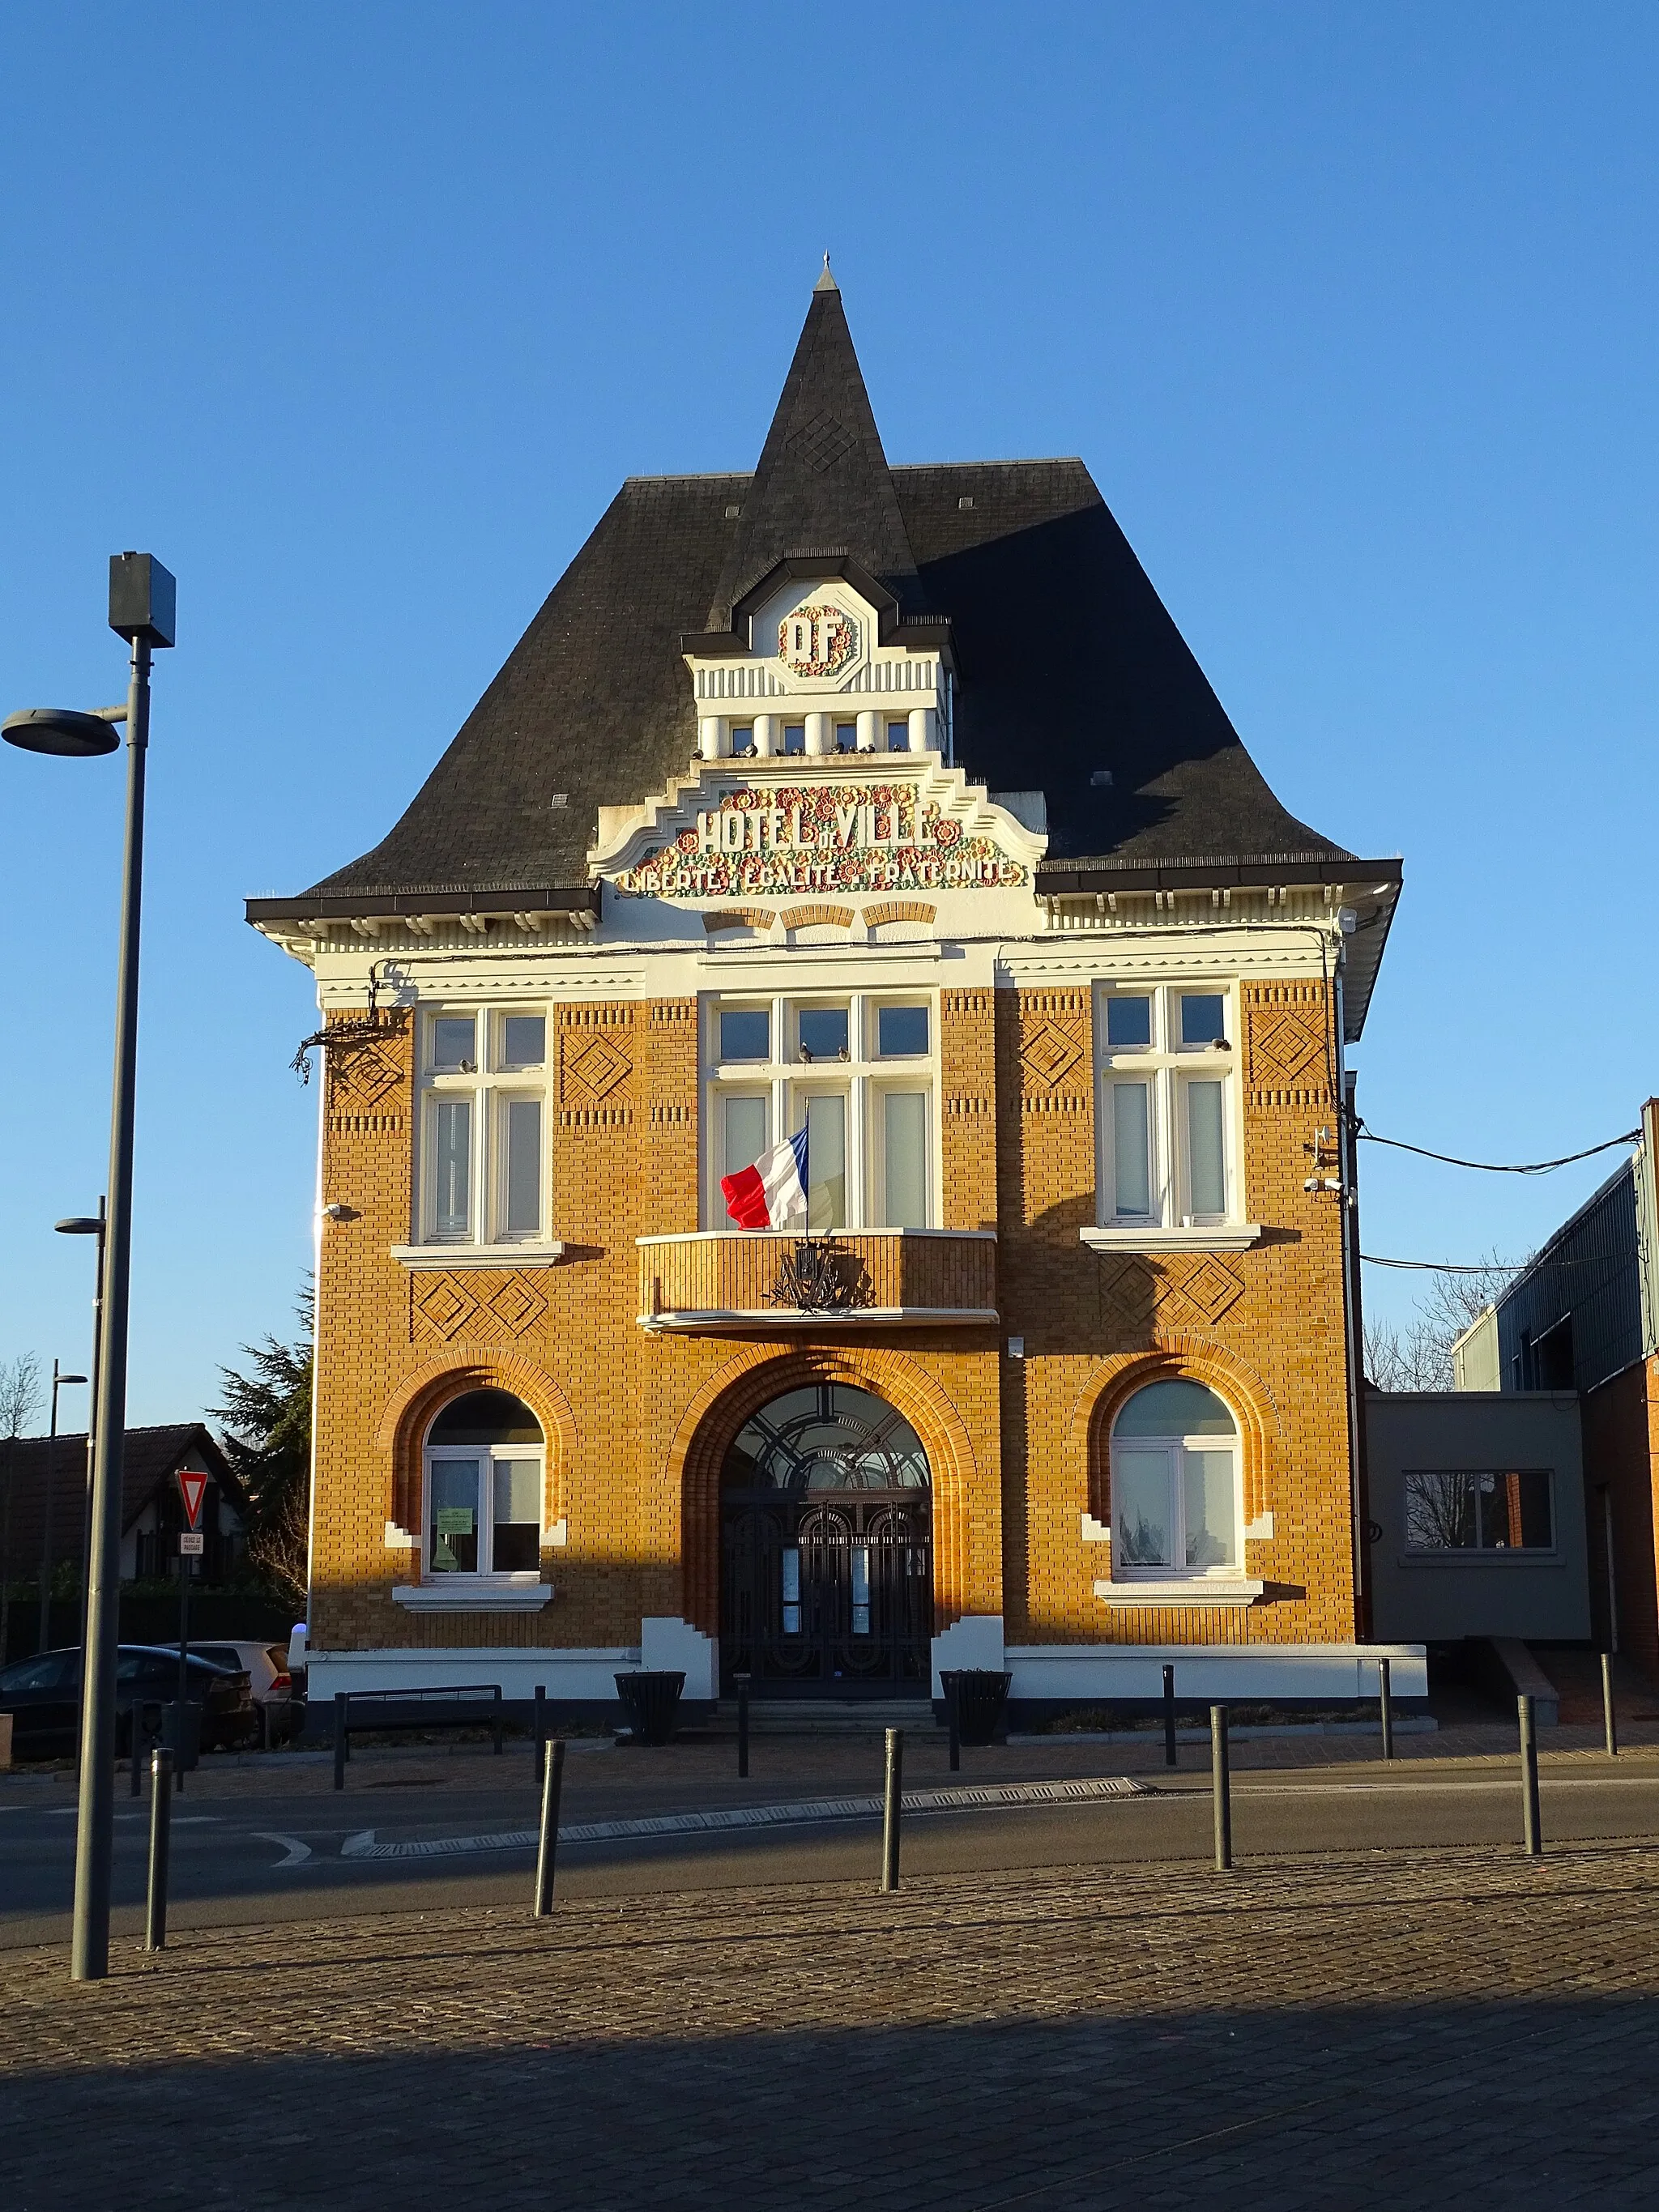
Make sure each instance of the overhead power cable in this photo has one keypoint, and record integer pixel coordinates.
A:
(1499, 1167)
(1481, 1266)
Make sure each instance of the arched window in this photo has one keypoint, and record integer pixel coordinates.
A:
(484, 1455)
(1175, 1461)
(826, 1435)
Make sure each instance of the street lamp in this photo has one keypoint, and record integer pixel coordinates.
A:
(58, 1383)
(142, 598)
(89, 1224)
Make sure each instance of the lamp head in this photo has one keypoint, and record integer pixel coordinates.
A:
(69, 1378)
(62, 730)
(80, 1225)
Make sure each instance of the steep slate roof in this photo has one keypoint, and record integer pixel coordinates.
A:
(1070, 665)
(150, 1459)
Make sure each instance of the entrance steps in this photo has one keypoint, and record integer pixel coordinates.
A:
(828, 1715)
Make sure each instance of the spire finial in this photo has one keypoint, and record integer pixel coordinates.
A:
(826, 283)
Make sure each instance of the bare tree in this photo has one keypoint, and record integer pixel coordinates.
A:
(19, 1408)
(1419, 1356)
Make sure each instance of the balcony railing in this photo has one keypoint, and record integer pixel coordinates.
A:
(733, 1281)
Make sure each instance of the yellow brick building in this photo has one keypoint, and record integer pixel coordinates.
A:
(883, 808)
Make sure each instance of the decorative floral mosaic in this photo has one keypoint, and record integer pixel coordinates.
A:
(818, 640)
(831, 837)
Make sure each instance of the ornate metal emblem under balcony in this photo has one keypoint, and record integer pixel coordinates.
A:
(820, 1276)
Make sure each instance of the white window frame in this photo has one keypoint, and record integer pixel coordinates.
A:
(485, 1457)
(786, 1080)
(1177, 1447)
(488, 1087)
(1166, 1067)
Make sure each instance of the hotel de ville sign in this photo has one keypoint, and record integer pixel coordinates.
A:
(822, 837)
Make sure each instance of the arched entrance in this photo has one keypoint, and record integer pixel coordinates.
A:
(826, 1548)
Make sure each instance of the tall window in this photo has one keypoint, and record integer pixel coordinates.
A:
(1175, 1483)
(1167, 1063)
(857, 1073)
(484, 1128)
(484, 1458)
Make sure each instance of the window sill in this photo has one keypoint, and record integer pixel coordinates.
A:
(1238, 1236)
(477, 1256)
(1504, 1560)
(473, 1593)
(1197, 1589)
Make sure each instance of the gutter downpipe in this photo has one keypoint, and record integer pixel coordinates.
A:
(1350, 1203)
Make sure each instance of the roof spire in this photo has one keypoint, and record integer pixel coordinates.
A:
(822, 484)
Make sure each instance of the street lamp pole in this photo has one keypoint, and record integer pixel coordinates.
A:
(58, 1383)
(94, 1835)
(142, 601)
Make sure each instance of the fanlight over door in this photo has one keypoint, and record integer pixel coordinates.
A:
(826, 1515)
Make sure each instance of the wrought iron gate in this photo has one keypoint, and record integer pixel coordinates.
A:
(830, 1593)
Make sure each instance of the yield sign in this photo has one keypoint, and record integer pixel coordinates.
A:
(192, 1488)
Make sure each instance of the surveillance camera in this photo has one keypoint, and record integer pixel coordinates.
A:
(338, 1213)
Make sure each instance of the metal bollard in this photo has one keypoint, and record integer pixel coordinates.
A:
(742, 1682)
(342, 1749)
(892, 1806)
(1168, 1715)
(547, 1850)
(1609, 1720)
(1385, 1694)
(541, 1734)
(1221, 1786)
(953, 1720)
(161, 1828)
(496, 1720)
(1531, 1827)
(138, 1762)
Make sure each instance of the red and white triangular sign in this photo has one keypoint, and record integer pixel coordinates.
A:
(192, 1488)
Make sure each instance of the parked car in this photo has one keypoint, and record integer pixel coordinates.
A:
(270, 1682)
(43, 1696)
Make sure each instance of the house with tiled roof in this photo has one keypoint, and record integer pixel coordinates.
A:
(833, 1110)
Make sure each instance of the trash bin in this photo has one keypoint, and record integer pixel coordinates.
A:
(981, 1695)
(650, 1704)
(181, 1733)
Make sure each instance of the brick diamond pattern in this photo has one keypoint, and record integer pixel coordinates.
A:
(444, 1307)
(820, 443)
(1210, 1287)
(518, 1305)
(1282, 1047)
(1125, 1301)
(1050, 1053)
(593, 1070)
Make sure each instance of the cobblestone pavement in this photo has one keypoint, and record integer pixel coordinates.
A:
(1447, 2028)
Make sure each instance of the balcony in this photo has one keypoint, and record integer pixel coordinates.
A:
(732, 1282)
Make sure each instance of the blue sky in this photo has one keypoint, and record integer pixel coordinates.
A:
(357, 318)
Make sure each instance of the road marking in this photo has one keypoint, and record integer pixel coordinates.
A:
(801, 1813)
(298, 1853)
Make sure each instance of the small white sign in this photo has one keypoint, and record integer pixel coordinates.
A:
(192, 1546)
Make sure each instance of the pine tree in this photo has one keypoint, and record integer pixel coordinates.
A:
(266, 1436)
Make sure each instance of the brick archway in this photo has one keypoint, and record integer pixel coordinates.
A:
(413, 1405)
(1191, 1358)
(752, 1380)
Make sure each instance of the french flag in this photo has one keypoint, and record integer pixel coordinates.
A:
(773, 1192)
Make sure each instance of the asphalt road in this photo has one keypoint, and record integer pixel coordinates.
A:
(307, 1854)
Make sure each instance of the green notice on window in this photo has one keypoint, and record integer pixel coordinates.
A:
(454, 1520)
